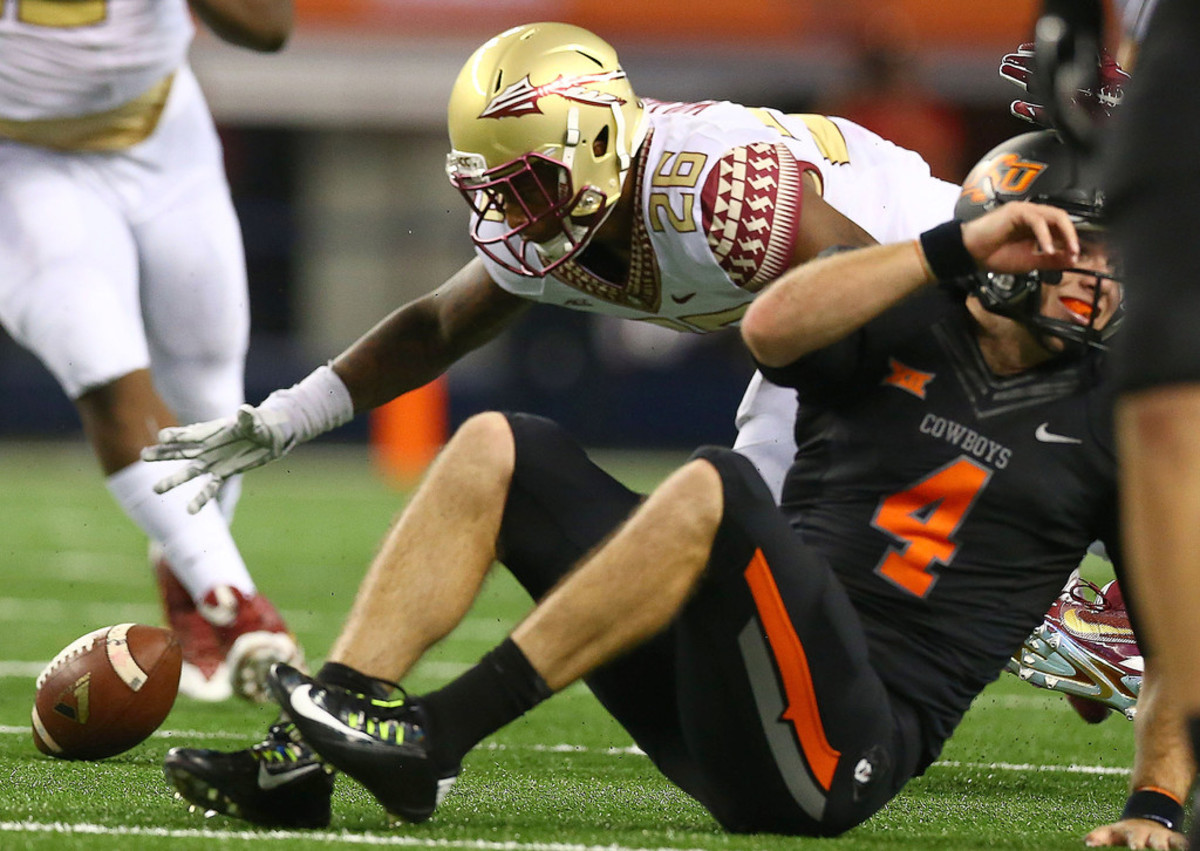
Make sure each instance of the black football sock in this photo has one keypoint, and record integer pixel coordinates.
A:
(343, 676)
(502, 687)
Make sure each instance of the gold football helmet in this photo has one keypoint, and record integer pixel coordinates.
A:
(543, 129)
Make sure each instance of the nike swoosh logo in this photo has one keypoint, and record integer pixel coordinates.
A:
(682, 299)
(1074, 623)
(1046, 436)
(268, 781)
(301, 703)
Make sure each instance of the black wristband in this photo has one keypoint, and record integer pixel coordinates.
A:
(946, 254)
(1154, 805)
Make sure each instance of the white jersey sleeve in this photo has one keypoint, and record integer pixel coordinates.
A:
(67, 59)
(885, 189)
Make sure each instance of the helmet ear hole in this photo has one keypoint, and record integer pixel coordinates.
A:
(600, 146)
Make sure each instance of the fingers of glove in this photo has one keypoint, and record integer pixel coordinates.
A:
(189, 442)
(1111, 72)
(194, 433)
(1018, 69)
(161, 452)
(210, 489)
(184, 474)
(246, 458)
(1031, 112)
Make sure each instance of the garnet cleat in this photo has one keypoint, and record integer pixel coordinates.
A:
(204, 675)
(254, 637)
(1086, 649)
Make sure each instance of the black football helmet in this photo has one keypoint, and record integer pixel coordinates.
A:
(1038, 167)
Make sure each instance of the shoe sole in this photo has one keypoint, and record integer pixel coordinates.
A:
(1058, 664)
(250, 659)
(200, 794)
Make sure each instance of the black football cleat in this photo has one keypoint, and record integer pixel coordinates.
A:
(383, 744)
(278, 782)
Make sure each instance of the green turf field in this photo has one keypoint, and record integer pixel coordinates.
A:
(1022, 772)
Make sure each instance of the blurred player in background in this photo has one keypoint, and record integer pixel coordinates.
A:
(1153, 177)
(791, 668)
(1086, 647)
(123, 272)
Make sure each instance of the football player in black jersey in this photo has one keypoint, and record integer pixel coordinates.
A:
(1151, 168)
(790, 667)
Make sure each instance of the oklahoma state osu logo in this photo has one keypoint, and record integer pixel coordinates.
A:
(521, 98)
(1007, 174)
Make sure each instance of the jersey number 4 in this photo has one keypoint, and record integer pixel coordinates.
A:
(924, 518)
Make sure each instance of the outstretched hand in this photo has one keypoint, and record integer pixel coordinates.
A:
(1018, 67)
(1136, 833)
(221, 449)
(1020, 237)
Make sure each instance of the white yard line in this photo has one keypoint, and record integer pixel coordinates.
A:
(368, 839)
(23, 610)
(632, 750)
(441, 670)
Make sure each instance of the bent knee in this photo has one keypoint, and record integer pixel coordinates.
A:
(698, 486)
(485, 440)
(488, 426)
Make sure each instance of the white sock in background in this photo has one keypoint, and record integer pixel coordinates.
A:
(198, 546)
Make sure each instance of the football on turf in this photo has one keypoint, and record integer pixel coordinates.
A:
(106, 692)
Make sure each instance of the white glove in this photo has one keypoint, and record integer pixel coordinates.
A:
(255, 435)
(221, 448)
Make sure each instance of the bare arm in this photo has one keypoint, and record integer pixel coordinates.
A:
(1163, 762)
(262, 25)
(419, 341)
(820, 302)
(822, 227)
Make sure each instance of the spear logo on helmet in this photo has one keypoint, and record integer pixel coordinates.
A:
(522, 97)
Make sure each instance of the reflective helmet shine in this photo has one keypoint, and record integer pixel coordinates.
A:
(1038, 167)
(544, 127)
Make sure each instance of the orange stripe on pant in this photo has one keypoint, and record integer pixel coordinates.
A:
(789, 655)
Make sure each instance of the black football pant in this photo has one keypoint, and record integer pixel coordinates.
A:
(759, 700)
(1152, 178)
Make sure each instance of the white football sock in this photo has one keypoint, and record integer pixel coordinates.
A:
(199, 547)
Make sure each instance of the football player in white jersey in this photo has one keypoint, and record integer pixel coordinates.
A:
(584, 195)
(124, 273)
